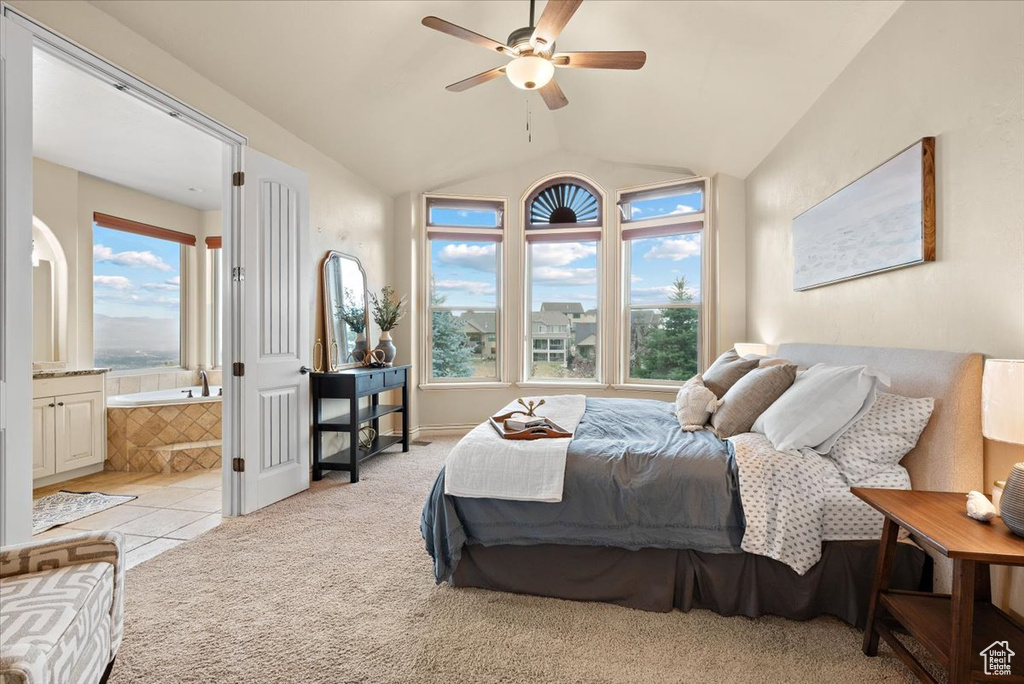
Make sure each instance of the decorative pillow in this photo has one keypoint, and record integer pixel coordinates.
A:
(694, 405)
(750, 397)
(881, 439)
(726, 370)
(822, 404)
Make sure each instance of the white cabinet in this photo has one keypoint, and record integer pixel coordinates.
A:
(68, 430)
(44, 435)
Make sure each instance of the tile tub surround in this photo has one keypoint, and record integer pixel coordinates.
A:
(164, 439)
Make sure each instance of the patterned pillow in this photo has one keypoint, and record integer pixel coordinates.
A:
(725, 371)
(882, 437)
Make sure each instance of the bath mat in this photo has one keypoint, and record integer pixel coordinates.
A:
(64, 507)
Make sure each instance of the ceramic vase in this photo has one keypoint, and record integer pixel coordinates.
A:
(359, 350)
(388, 347)
(1011, 503)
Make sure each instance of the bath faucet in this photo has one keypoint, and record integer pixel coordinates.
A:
(206, 383)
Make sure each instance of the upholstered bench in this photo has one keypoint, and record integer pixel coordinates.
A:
(61, 607)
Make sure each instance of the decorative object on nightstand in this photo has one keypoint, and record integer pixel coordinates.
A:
(959, 628)
(1002, 419)
(388, 310)
(318, 356)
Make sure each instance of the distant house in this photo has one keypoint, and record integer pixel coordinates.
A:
(550, 331)
(573, 310)
(589, 316)
(585, 337)
(480, 329)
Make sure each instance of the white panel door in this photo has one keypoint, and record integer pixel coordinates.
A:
(44, 449)
(15, 281)
(275, 391)
(79, 433)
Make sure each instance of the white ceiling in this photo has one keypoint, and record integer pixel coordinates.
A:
(364, 81)
(81, 122)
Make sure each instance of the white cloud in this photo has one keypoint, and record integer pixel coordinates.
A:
(635, 211)
(683, 209)
(676, 249)
(560, 253)
(171, 284)
(477, 257)
(113, 282)
(635, 279)
(474, 287)
(131, 259)
(550, 275)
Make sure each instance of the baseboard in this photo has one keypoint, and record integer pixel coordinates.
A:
(445, 430)
(47, 480)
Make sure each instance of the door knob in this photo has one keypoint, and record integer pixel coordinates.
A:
(305, 369)
(60, 403)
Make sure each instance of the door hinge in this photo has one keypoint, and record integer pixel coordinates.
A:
(238, 179)
(238, 465)
(238, 369)
(238, 274)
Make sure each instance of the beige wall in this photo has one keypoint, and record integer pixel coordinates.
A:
(463, 407)
(952, 70)
(347, 213)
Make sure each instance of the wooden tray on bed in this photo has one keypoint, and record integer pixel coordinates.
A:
(498, 423)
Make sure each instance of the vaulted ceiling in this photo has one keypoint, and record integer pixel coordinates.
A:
(364, 81)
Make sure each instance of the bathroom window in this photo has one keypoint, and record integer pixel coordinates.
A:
(138, 304)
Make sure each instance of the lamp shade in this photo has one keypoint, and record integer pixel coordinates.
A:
(1002, 401)
(754, 348)
(529, 72)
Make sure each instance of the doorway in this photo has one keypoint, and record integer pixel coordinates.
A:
(133, 220)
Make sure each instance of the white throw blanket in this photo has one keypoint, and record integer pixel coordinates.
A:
(485, 465)
(783, 497)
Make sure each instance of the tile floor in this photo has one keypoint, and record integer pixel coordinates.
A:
(170, 509)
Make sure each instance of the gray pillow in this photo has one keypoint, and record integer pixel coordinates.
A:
(726, 370)
(750, 397)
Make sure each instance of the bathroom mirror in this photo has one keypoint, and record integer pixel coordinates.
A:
(346, 314)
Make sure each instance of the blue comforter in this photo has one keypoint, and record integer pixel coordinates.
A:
(633, 479)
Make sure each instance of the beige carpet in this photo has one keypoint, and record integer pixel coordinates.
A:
(333, 585)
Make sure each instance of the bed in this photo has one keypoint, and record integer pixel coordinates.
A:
(605, 546)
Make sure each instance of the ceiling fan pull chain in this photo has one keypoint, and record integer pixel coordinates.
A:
(529, 133)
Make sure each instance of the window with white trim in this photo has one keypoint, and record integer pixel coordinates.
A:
(463, 313)
(663, 241)
(563, 257)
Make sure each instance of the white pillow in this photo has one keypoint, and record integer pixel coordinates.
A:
(822, 403)
(882, 437)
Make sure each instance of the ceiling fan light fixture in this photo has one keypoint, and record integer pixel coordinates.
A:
(529, 72)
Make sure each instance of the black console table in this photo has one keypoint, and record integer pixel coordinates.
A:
(353, 384)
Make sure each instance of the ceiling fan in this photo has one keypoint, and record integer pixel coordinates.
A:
(532, 50)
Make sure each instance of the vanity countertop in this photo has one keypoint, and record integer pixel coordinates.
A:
(66, 373)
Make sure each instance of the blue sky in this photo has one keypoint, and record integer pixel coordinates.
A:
(135, 276)
(464, 271)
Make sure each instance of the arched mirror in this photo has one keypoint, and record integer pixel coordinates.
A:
(346, 314)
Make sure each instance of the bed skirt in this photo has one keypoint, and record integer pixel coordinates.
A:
(662, 579)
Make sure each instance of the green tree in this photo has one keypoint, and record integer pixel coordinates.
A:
(451, 351)
(665, 348)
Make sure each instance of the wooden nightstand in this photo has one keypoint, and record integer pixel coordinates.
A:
(955, 629)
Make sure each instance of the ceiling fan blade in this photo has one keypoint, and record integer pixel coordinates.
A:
(600, 60)
(465, 34)
(553, 96)
(553, 19)
(483, 77)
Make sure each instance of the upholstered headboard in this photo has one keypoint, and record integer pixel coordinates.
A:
(948, 457)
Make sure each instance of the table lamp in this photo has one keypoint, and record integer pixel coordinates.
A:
(1002, 419)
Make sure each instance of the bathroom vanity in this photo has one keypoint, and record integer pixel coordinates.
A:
(68, 424)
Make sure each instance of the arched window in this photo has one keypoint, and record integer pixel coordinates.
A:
(564, 216)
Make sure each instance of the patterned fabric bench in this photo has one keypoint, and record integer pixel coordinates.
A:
(61, 609)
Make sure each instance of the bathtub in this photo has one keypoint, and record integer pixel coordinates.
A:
(165, 431)
(179, 395)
